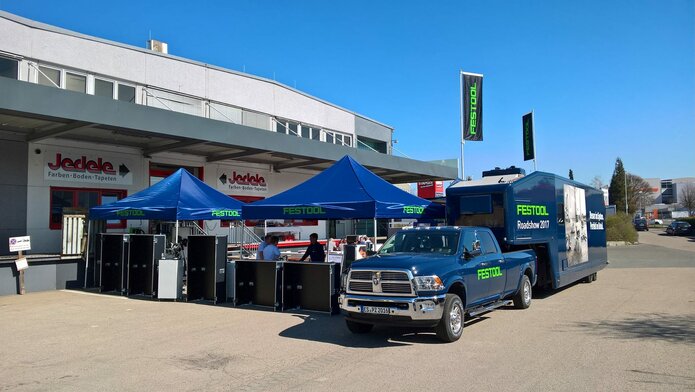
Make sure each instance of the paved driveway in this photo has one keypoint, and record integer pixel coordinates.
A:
(632, 329)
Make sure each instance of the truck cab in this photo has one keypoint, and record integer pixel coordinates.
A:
(432, 278)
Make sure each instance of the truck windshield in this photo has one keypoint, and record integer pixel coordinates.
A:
(445, 243)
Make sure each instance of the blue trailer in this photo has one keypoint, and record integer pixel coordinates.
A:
(562, 220)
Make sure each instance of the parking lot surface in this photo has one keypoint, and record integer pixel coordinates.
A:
(632, 329)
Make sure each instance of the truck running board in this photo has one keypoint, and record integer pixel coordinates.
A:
(482, 309)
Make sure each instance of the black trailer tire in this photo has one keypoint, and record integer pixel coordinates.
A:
(590, 278)
(356, 327)
(522, 299)
(450, 327)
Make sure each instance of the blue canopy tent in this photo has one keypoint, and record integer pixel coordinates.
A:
(180, 196)
(346, 190)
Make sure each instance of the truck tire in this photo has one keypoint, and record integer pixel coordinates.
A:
(522, 299)
(356, 327)
(450, 327)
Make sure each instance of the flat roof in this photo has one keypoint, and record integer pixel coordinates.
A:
(31, 112)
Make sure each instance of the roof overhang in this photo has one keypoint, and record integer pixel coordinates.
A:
(32, 113)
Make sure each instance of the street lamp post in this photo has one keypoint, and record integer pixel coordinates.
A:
(625, 178)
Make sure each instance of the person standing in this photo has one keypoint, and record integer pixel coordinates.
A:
(271, 251)
(261, 246)
(314, 251)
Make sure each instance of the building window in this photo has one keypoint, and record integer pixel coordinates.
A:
(127, 94)
(66, 200)
(49, 76)
(364, 143)
(103, 88)
(75, 82)
(9, 68)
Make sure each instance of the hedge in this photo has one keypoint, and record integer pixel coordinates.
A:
(619, 228)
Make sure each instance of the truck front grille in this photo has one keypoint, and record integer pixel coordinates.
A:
(395, 283)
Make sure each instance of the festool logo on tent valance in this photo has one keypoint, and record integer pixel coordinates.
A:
(226, 213)
(128, 213)
(303, 211)
(531, 209)
(413, 209)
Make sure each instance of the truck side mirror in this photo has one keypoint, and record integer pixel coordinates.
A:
(472, 253)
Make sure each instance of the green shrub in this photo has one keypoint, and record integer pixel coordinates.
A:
(619, 228)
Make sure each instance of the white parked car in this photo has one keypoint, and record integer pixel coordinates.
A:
(656, 222)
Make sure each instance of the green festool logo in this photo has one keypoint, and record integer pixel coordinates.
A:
(303, 211)
(127, 213)
(413, 209)
(473, 100)
(226, 213)
(487, 273)
(531, 209)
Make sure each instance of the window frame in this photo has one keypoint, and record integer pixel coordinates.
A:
(64, 77)
(75, 195)
(17, 60)
(40, 72)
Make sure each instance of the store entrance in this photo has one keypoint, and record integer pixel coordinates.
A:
(160, 171)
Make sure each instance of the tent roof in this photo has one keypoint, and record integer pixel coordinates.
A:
(181, 196)
(346, 190)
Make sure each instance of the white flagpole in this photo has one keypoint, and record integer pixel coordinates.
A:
(463, 142)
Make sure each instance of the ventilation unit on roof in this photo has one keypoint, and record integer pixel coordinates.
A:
(500, 172)
(157, 46)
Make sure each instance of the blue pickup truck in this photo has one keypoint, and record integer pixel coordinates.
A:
(433, 277)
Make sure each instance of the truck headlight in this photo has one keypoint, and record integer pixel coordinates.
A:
(428, 283)
(343, 281)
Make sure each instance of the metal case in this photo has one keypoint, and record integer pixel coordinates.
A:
(144, 250)
(206, 268)
(113, 258)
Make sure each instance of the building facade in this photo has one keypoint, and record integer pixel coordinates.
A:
(86, 121)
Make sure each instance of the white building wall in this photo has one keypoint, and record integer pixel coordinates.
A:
(152, 69)
(47, 240)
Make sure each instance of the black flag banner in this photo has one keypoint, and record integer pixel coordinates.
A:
(472, 102)
(527, 124)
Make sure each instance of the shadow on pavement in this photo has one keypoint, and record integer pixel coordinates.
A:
(332, 329)
(659, 326)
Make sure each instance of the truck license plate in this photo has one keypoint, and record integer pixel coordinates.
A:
(375, 310)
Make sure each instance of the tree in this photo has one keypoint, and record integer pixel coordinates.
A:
(639, 193)
(688, 198)
(616, 190)
(597, 182)
(571, 175)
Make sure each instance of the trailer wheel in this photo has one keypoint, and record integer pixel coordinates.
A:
(590, 278)
(356, 327)
(450, 327)
(522, 299)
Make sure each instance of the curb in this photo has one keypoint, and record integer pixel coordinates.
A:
(620, 243)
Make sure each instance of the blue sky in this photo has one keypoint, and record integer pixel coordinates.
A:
(605, 78)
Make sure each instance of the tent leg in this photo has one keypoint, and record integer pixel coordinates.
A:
(176, 233)
(374, 234)
(86, 262)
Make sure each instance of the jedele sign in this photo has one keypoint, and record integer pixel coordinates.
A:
(83, 169)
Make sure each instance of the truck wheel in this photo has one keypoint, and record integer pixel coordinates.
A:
(450, 327)
(356, 327)
(522, 299)
(590, 278)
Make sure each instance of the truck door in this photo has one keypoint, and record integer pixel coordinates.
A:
(496, 271)
(476, 288)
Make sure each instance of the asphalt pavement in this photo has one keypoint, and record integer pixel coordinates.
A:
(631, 330)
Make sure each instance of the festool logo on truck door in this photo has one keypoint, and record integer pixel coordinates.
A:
(487, 273)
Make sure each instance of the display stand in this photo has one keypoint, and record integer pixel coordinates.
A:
(206, 270)
(259, 283)
(113, 258)
(143, 251)
(170, 278)
(311, 286)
